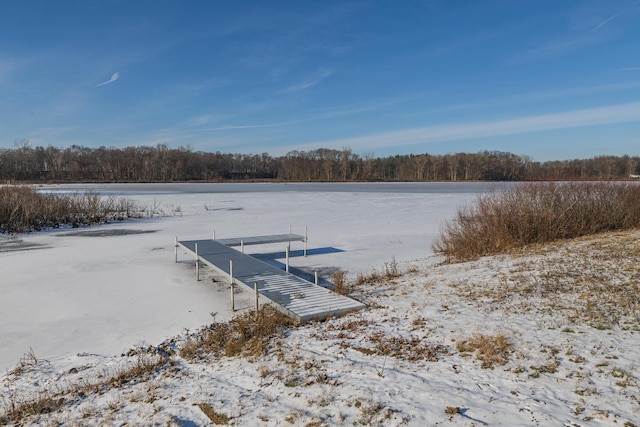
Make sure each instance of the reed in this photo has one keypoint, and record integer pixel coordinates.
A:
(538, 213)
(24, 209)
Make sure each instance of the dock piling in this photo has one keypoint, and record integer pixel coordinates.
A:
(255, 288)
(287, 259)
(233, 298)
(197, 265)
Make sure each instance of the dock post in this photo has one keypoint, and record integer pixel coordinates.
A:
(175, 257)
(197, 265)
(214, 234)
(255, 287)
(287, 256)
(305, 241)
(233, 299)
(241, 246)
(316, 275)
(289, 244)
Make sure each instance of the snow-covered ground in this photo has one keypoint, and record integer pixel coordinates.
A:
(81, 301)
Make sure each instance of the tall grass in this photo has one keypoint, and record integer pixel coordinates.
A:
(538, 213)
(24, 209)
(244, 334)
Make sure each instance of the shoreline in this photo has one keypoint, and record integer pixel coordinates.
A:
(558, 369)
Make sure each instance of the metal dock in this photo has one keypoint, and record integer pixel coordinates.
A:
(262, 240)
(296, 297)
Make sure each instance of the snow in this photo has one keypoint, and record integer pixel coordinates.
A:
(104, 294)
(81, 302)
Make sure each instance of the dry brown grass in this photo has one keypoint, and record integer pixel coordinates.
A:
(245, 334)
(538, 213)
(593, 280)
(340, 282)
(411, 349)
(377, 342)
(27, 362)
(143, 366)
(368, 279)
(489, 349)
(452, 410)
(213, 415)
(390, 271)
(41, 403)
(19, 409)
(373, 413)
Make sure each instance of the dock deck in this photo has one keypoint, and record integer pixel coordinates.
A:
(296, 297)
(262, 240)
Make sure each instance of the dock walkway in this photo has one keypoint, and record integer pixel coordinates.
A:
(296, 297)
(262, 240)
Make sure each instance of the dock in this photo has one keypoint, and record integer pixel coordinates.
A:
(298, 298)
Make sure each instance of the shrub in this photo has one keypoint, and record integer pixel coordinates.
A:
(23, 209)
(538, 213)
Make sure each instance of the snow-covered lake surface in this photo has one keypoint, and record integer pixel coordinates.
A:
(67, 293)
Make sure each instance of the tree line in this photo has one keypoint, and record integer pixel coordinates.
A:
(163, 164)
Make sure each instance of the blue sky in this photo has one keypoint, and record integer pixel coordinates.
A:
(552, 79)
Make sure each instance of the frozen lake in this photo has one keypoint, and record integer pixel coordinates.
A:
(332, 187)
(102, 293)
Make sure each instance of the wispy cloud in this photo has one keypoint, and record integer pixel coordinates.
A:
(555, 48)
(629, 69)
(606, 21)
(354, 108)
(623, 11)
(571, 119)
(113, 78)
(316, 115)
(204, 119)
(313, 81)
(589, 32)
(569, 92)
(261, 126)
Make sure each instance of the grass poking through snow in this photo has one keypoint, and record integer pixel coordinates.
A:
(245, 334)
(489, 349)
